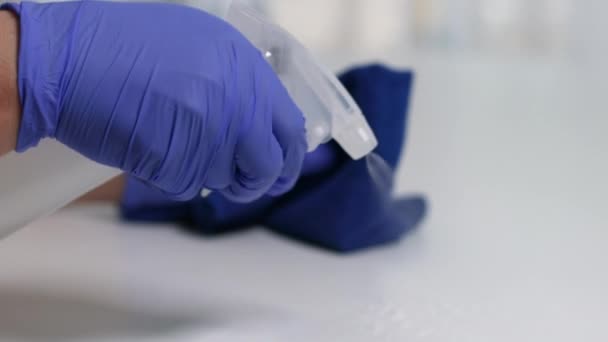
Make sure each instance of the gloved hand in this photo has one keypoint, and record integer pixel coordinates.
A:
(336, 204)
(169, 94)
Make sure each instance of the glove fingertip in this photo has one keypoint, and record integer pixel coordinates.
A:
(257, 172)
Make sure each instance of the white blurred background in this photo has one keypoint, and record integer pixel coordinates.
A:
(393, 30)
(508, 141)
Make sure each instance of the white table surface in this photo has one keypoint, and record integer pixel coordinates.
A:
(513, 157)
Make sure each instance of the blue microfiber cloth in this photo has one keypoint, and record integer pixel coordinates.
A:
(335, 205)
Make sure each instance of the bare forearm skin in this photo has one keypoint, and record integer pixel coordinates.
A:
(10, 108)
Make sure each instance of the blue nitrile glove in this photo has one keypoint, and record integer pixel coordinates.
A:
(169, 94)
(335, 204)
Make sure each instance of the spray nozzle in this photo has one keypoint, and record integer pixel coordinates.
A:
(329, 109)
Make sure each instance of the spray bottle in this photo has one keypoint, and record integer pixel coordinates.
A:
(51, 175)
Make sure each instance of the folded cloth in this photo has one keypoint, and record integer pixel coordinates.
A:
(336, 204)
